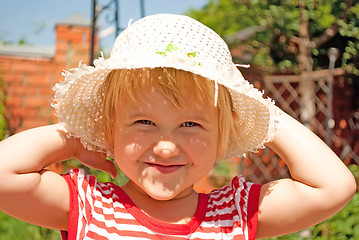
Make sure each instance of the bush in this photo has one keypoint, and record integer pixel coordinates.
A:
(11, 228)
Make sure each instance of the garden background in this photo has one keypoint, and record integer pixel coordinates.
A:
(303, 53)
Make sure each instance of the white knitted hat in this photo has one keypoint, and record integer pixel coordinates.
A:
(162, 40)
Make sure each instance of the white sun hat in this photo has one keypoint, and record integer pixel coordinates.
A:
(163, 40)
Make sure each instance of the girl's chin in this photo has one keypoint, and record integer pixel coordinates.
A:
(163, 193)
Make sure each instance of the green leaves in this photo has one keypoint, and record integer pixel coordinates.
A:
(11, 228)
(192, 54)
(172, 48)
(162, 53)
(324, 16)
(273, 47)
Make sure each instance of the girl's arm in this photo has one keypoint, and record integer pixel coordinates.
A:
(320, 186)
(28, 191)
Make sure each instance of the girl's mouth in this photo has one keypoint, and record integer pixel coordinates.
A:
(165, 169)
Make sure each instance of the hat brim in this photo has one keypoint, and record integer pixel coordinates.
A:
(79, 100)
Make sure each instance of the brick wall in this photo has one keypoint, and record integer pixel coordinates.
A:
(28, 80)
(28, 84)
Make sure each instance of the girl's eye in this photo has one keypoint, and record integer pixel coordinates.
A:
(190, 124)
(145, 122)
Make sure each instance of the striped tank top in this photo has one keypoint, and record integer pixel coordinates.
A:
(103, 211)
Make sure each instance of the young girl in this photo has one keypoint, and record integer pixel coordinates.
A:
(166, 105)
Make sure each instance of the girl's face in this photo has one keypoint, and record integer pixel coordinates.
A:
(164, 150)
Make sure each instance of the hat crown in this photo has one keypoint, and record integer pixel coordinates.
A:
(193, 46)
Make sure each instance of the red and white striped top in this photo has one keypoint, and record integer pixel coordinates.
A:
(103, 211)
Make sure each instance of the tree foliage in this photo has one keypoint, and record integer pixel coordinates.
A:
(269, 31)
(11, 228)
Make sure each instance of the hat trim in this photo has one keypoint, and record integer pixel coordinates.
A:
(242, 87)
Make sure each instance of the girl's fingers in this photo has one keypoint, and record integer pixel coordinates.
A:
(97, 160)
(110, 168)
(104, 165)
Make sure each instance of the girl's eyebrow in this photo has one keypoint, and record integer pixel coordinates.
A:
(135, 114)
(196, 116)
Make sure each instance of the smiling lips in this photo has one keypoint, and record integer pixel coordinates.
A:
(165, 169)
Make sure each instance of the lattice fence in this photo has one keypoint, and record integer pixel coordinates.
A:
(266, 165)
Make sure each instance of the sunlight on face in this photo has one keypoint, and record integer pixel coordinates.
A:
(132, 148)
(164, 149)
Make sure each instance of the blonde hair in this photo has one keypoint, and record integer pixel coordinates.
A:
(172, 84)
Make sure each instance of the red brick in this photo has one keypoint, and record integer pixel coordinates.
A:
(70, 37)
(58, 77)
(22, 90)
(43, 67)
(24, 112)
(38, 80)
(12, 101)
(33, 122)
(29, 82)
(50, 70)
(61, 32)
(37, 102)
(5, 65)
(61, 27)
(25, 67)
(61, 46)
(59, 68)
(13, 79)
(75, 39)
(15, 124)
(60, 58)
(46, 91)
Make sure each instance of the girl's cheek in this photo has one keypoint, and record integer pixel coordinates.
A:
(198, 144)
(135, 143)
(132, 148)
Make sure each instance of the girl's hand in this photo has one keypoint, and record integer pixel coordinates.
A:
(95, 160)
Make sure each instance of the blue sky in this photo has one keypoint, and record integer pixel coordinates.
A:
(34, 20)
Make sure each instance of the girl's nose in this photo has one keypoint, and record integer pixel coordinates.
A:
(166, 149)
